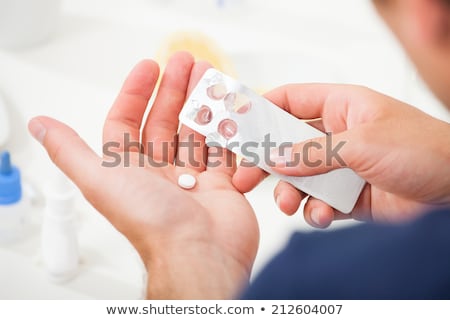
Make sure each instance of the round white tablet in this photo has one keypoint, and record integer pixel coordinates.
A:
(187, 181)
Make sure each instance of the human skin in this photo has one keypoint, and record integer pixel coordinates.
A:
(195, 247)
(402, 152)
(196, 244)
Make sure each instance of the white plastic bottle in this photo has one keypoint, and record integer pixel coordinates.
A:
(4, 123)
(60, 252)
(13, 208)
(12, 205)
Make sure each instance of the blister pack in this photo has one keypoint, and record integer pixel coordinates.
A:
(232, 116)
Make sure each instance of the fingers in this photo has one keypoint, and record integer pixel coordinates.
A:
(248, 176)
(198, 70)
(305, 101)
(310, 101)
(221, 160)
(318, 214)
(319, 155)
(124, 120)
(69, 152)
(339, 106)
(160, 130)
(192, 151)
(288, 198)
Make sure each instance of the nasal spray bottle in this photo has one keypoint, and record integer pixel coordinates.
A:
(12, 205)
(59, 235)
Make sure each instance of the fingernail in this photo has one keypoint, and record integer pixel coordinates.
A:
(37, 130)
(315, 216)
(281, 156)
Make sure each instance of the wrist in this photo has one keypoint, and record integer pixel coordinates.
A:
(196, 270)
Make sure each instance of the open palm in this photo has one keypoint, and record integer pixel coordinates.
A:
(134, 185)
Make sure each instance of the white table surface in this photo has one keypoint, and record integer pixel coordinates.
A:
(75, 75)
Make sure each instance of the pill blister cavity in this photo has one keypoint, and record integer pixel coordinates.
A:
(227, 128)
(204, 115)
(217, 91)
(214, 79)
(237, 102)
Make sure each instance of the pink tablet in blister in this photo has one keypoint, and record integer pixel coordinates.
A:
(231, 115)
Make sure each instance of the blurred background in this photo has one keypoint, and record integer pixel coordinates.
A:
(67, 59)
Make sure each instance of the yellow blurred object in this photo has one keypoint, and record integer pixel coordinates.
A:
(200, 46)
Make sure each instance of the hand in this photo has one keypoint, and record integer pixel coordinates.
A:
(196, 244)
(401, 152)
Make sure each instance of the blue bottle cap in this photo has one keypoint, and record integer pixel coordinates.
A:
(10, 185)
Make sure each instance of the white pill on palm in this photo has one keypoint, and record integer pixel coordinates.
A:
(187, 181)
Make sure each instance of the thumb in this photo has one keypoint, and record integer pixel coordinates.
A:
(68, 151)
(314, 156)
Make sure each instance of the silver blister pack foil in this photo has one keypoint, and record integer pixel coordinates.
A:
(231, 115)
